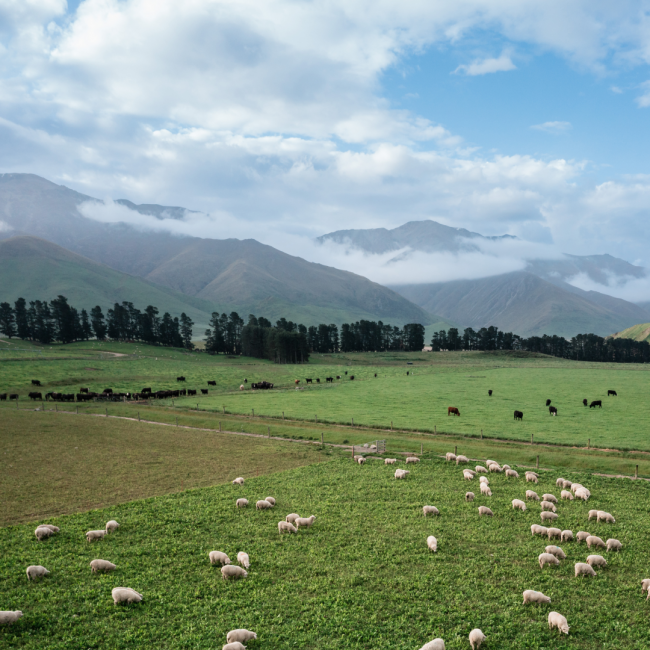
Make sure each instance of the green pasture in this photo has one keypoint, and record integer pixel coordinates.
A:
(360, 578)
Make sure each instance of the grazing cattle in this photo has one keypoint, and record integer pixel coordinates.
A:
(108, 390)
(3, 397)
(245, 380)
(297, 381)
(552, 410)
(519, 415)
(490, 392)
(351, 377)
(346, 372)
(338, 376)
(584, 401)
(407, 373)
(317, 380)
(596, 403)
(309, 380)
(181, 378)
(452, 410)
(36, 382)
(191, 391)
(609, 392)
(375, 374)
(84, 397)
(204, 391)
(83, 390)
(35, 396)
(182, 392)
(329, 380)
(548, 402)
(265, 385)
(13, 396)
(146, 390)
(212, 383)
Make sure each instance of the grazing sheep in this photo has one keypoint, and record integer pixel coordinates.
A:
(547, 505)
(593, 514)
(401, 473)
(605, 516)
(559, 482)
(238, 481)
(484, 479)
(494, 467)
(436, 644)
(614, 545)
(557, 551)
(583, 494)
(102, 565)
(566, 484)
(469, 496)
(432, 543)
(596, 560)
(576, 486)
(286, 527)
(518, 504)
(412, 459)
(263, 505)
(554, 532)
(645, 583)
(242, 503)
(271, 500)
(548, 516)
(484, 510)
(10, 617)
(111, 526)
(583, 569)
(558, 621)
(467, 475)
(234, 646)
(430, 510)
(36, 571)
(54, 529)
(489, 461)
(218, 557)
(476, 637)
(292, 517)
(461, 459)
(531, 478)
(125, 595)
(582, 536)
(547, 558)
(532, 495)
(512, 472)
(390, 461)
(240, 635)
(361, 460)
(567, 536)
(485, 490)
(535, 529)
(243, 559)
(549, 497)
(504, 467)
(233, 571)
(480, 469)
(592, 540)
(304, 522)
(43, 532)
(95, 534)
(531, 596)
(565, 494)
(450, 456)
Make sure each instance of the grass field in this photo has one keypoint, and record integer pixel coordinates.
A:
(361, 577)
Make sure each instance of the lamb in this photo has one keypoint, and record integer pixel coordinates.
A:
(548, 516)
(547, 558)
(614, 545)
(485, 489)
(390, 461)
(401, 473)
(583, 569)
(95, 534)
(559, 482)
(430, 510)
(242, 503)
(576, 486)
(547, 505)
(489, 461)
(243, 559)
(511, 472)
(7, 618)
(54, 529)
(240, 635)
(484, 479)
(286, 527)
(292, 517)
(468, 475)
(102, 565)
(238, 481)
(263, 505)
(469, 496)
(565, 494)
(361, 460)
(538, 530)
(566, 484)
(596, 560)
(36, 571)
(476, 637)
(518, 504)
(592, 540)
(305, 522)
(582, 536)
(494, 467)
(432, 543)
(583, 494)
(461, 459)
(217, 557)
(232, 571)
(554, 532)
(236, 645)
(436, 644)
(567, 536)
(484, 510)
(531, 596)
(645, 583)
(111, 526)
(558, 621)
(549, 497)
(43, 532)
(412, 459)
(531, 477)
(505, 467)
(605, 516)
(450, 456)
(532, 495)
(480, 469)
(271, 500)
(592, 514)
(557, 551)
(125, 595)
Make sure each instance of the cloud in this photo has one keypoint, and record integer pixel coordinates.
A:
(487, 66)
(555, 128)
(643, 101)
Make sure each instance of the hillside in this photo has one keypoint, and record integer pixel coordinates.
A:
(639, 332)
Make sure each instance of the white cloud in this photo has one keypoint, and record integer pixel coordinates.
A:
(487, 66)
(555, 128)
(643, 100)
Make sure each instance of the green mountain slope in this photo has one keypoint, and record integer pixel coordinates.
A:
(639, 332)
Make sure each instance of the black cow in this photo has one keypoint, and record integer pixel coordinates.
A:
(182, 392)
(318, 380)
(611, 392)
(190, 391)
(351, 377)
(245, 380)
(596, 403)
(329, 380)
(83, 390)
(548, 402)
(490, 392)
(375, 374)
(346, 372)
(339, 376)
(108, 390)
(265, 385)
(36, 382)
(181, 378)
(552, 410)
(146, 390)
(13, 396)
(407, 373)
(204, 391)
(212, 383)
(519, 415)
(35, 396)
(308, 380)
(584, 401)
(3, 397)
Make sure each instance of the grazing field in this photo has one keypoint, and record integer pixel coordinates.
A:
(360, 578)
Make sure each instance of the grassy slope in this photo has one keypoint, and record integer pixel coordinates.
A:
(361, 577)
(639, 332)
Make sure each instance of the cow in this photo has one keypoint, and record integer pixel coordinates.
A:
(181, 378)
(611, 392)
(490, 392)
(36, 382)
(375, 374)
(309, 381)
(338, 376)
(519, 415)
(191, 391)
(204, 391)
(346, 372)
(452, 410)
(83, 390)
(212, 383)
(36, 396)
(596, 403)
(407, 373)
(552, 410)
(108, 390)
(182, 392)
(584, 401)
(146, 390)
(351, 377)
(318, 380)
(83, 397)
(245, 380)
(13, 396)
(297, 381)
(329, 380)
(548, 402)
(3, 397)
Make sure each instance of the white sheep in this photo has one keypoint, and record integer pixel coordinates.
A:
(36, 571)
(242, 503)
(361, 460)
(480, 469)
(532, 495)
(476, 637)
(547, 558)
(485, 489)
(505, 467)
(566, 484)
(536, 529)
(217, 557)
(549, 497)
(548, 516)
(518, 504)
(531, 477)
(238, 481)
(512, 473)
(645, 583)
(484, 510)
(430, 510)
(467, 475)
(390, 461)
(401, 473)
(292, 517)
(240, 635)
(557, 551)
(489, 461)
(593, 514)
(10, 617)
(43, 532)
(436, 644)
(461, 459)
(554, 532)
(582, 536)
(614, 545)
(567, 536)
(565, 494)
(583, 494)
(558, 621)
(263, 505)
(559, 482)
(494, 467)
(593, 540)
(95, 534)
(596, 560)
(125, 595)
(243, 559)
(432, 543)
(531, 596)
(111, 526)
(271, 500)
(286, 527)
(236, 645)
(305, 522)
(484, 479)
(412, 459)
(605, 516)
(583, 569)
(450, 456)
(102, 565)
(54, 529)
(233, 571)
(547, 505)
(576, 486)
(469, 496)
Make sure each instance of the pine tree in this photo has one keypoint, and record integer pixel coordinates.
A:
(7, 320)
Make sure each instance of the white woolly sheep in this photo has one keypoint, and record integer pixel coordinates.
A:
(304, 522)
(549, 497)
(593, 514)
(547, 558)
(512, 473)
(536, 529)
(614, 545)
(489, 461)
(42, 532)
(271, 500)
(469, 496)
(102, 565)
(436, 644)
(547, 505)
(548, 516)
(583, 494)
(576, 486)
(412, 459)
(484, 510)
(494, 467)
(476, 637)
(532, 495)
(558, 621)
(236, 645)
(557, 551)
(605, 516)
(485, 489)
(54, 529)
(531, 596)
(243, 559)
(432, 543)
(583, 569)
(262, 504)
(240, 635)
(461, 459)
(292, 517)
(7, 618)
(401, 473)
(567, 536)
(36, 571)
(125, 595)
(484, 479)
(645, 583)
(554, 532)
(566, 484)
(596, 560)
(468, 476)
(233, 571)
(582, 536)
(559, 482)
(565, 494)
(531, 478)
(238, 481)
(95, 534)
(505, 467)
(390, 461)
(286, 527)
(111, 526)
(217, 557)
(518, 504)
(242, 503)
(450, 456)
(480, 469)
(361, 460)
(430, 510)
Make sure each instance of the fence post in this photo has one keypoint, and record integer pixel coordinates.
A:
(107, 412)
(352, 421)
(224, 408)
(352, 451)
(391, 425)
(197, 406)
(283, 415)
(455, 450)
(481, 434)
(138, 416)
(253, 411)
(176, 421)
(321, 437)
(219, 426)
(588, 443)
(636, 472)
(269, 431)
(315, 417)
(435, 429)
(531, 438)
(538, 461)
(420, 448)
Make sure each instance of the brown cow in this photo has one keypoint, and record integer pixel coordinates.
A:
(452, 410)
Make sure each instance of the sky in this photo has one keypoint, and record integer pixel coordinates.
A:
(283, 120)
